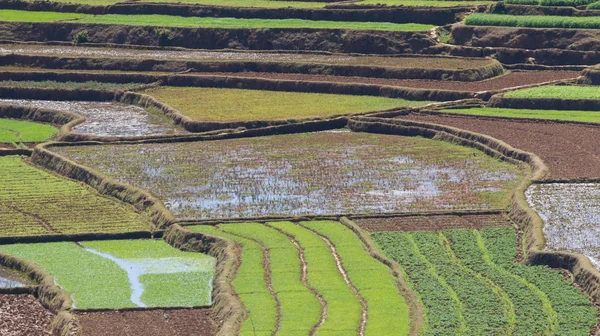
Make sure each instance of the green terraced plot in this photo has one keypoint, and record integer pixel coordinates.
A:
(557, 91)
(329, 172)
(204, 22)
(469, 284)
(19, 131)
(584, 116)
(533, 21)
(387, 312)
(206, 104)
(124, 273)
(34, 202)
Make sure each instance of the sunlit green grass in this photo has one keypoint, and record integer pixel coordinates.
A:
(557, 91)
(26, 16)
(583, 116)
(206, 104)
(17, 131)
(293, 4)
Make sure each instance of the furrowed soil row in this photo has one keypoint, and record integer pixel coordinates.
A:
(433, 222)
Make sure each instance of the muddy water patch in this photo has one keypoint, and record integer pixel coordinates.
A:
(313, 173)
(12, 279)
(571, 215)
(108, 118)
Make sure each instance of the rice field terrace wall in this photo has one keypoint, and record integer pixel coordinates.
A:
(436, 16)
(334, 40)
(590, 76)
(480, 72)
(527, 38)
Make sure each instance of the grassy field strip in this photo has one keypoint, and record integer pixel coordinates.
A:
(206, 104)
(251, 284)
(443, 308)
(533, 21)
(557, 91)
(387, 312)
(583, 116)
(534, 310)
(576, 315)
(147, 273)
(203, 22)
(61, 205)
(300, 309)
(342, 308)
(19, 131)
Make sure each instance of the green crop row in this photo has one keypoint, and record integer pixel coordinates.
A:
(35, 202)
(584, 116)
(118, 274)
(450, 270)
(203, 22)
(572, 3)
(533, 21)
(267, 105)
(557, 91)
(299, 307)
(594, 6)
(19, 131)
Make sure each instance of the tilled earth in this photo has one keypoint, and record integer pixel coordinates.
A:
(511, 79)
(23, 315)
(434, 222)
(160, 322)
(573, 152)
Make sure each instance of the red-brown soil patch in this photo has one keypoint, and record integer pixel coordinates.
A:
(23, 315)
(570, 151)
(511, 79)
(159, 322)
(433, 222)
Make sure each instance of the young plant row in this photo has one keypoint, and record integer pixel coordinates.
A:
(312, 277)
(470, 284)
(34, 202)
(533, 21)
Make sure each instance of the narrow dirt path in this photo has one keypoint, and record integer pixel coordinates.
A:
(267, 268)
(304, 277)
(340, 266)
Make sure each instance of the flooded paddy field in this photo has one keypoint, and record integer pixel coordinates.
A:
(230, 56)
(314, 173)
(23, 315)
(124, 273)
(571, 216)
(108, 118)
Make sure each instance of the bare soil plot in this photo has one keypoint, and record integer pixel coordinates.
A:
(23, 315)
(434, 222)
(224, 56)
(567, 149)
(571, 216)
(511, 79)
(172, 322)
(314, 173)
(108, 118)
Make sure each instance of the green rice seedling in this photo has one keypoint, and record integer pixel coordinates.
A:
(387, 310)
(594, 6)
(533, 21)
(583, 116)
(557, 91)
(26, 16)
(62, 206)
(575, 313)
(206, 104)
(19, 131)
(250, 284)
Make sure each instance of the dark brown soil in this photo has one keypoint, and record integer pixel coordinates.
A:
(176, 322)
(23, 315)
(498, 83)
(570, 151)
(433, 222)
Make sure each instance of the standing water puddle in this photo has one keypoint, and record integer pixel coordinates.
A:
(108, 118)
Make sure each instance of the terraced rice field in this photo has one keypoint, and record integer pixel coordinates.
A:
(295, 4)
(312, 277)
(87, 85)
(108, 118)
(61, 206)
(557, 91)
(533, 21)
(206, 104)
(434, 222)
(469, 283)
(123, 273)
(581, 116)
(571, 216)
(21, 131)
(323, 173)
